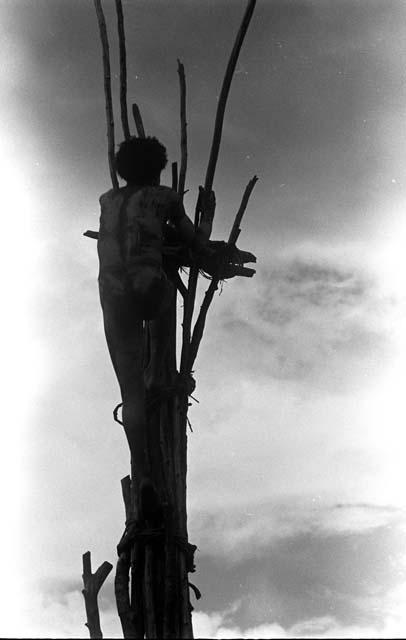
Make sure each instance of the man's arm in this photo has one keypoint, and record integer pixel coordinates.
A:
(207, 207)
(185, 227)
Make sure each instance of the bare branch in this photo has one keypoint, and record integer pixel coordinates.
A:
(101, 574)
(201, 321)
(107, 90)
(138, 121)
(218, 127)
(180, 285)
(198, 209)
(123, 70)
(183, 130)
(189, 302)
(87, 563)
(175, 176)
(235, 230)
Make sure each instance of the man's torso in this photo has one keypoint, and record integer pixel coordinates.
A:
(131, 230)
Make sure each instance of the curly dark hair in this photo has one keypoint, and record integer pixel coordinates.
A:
(141, 160)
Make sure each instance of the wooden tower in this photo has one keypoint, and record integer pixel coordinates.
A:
(152, 584)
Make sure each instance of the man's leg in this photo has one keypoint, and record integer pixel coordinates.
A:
(159, 330)
(125, 335)
(131, 379)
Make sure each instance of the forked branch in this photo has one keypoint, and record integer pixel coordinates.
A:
(92, 583)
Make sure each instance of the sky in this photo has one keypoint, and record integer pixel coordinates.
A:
(296, 466)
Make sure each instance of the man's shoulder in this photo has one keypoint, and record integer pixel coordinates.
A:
(162, 196)
(173, 200)
(108, 195)
(111, 194)
(166, 193)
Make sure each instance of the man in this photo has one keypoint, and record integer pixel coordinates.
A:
(133, 286)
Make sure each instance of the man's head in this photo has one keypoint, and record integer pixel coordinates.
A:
(141, 160)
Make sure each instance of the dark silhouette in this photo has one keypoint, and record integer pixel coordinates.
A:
(133, 284)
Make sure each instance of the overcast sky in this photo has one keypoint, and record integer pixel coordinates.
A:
(296, 461)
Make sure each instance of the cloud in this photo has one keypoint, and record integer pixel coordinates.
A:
(346, 615)
(257, 440)
(293, 364)
(40, 616)
(249, 530)
(309, 321)
(214, 625)
(56, 620)
(312, 584)
(356, 577)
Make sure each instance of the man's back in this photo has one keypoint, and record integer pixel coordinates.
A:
(131, 228)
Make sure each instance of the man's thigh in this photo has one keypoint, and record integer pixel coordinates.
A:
(124, 335)
(152, 291)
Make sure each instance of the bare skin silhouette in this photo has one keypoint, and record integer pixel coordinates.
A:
(133, 285)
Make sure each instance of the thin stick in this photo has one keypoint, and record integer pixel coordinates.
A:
(189, 304)
(170, 594)
(218, 126)
(137, 577)
(175, 176)
(181, 287)
(235, 230)
(183, 130)
(201, 321)
(198, 209)
(123, 70)
(121, 590)
(186, 621)
(138, 121)
(91, 234)
(107, 90)
(207, 219)
(149, 600)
